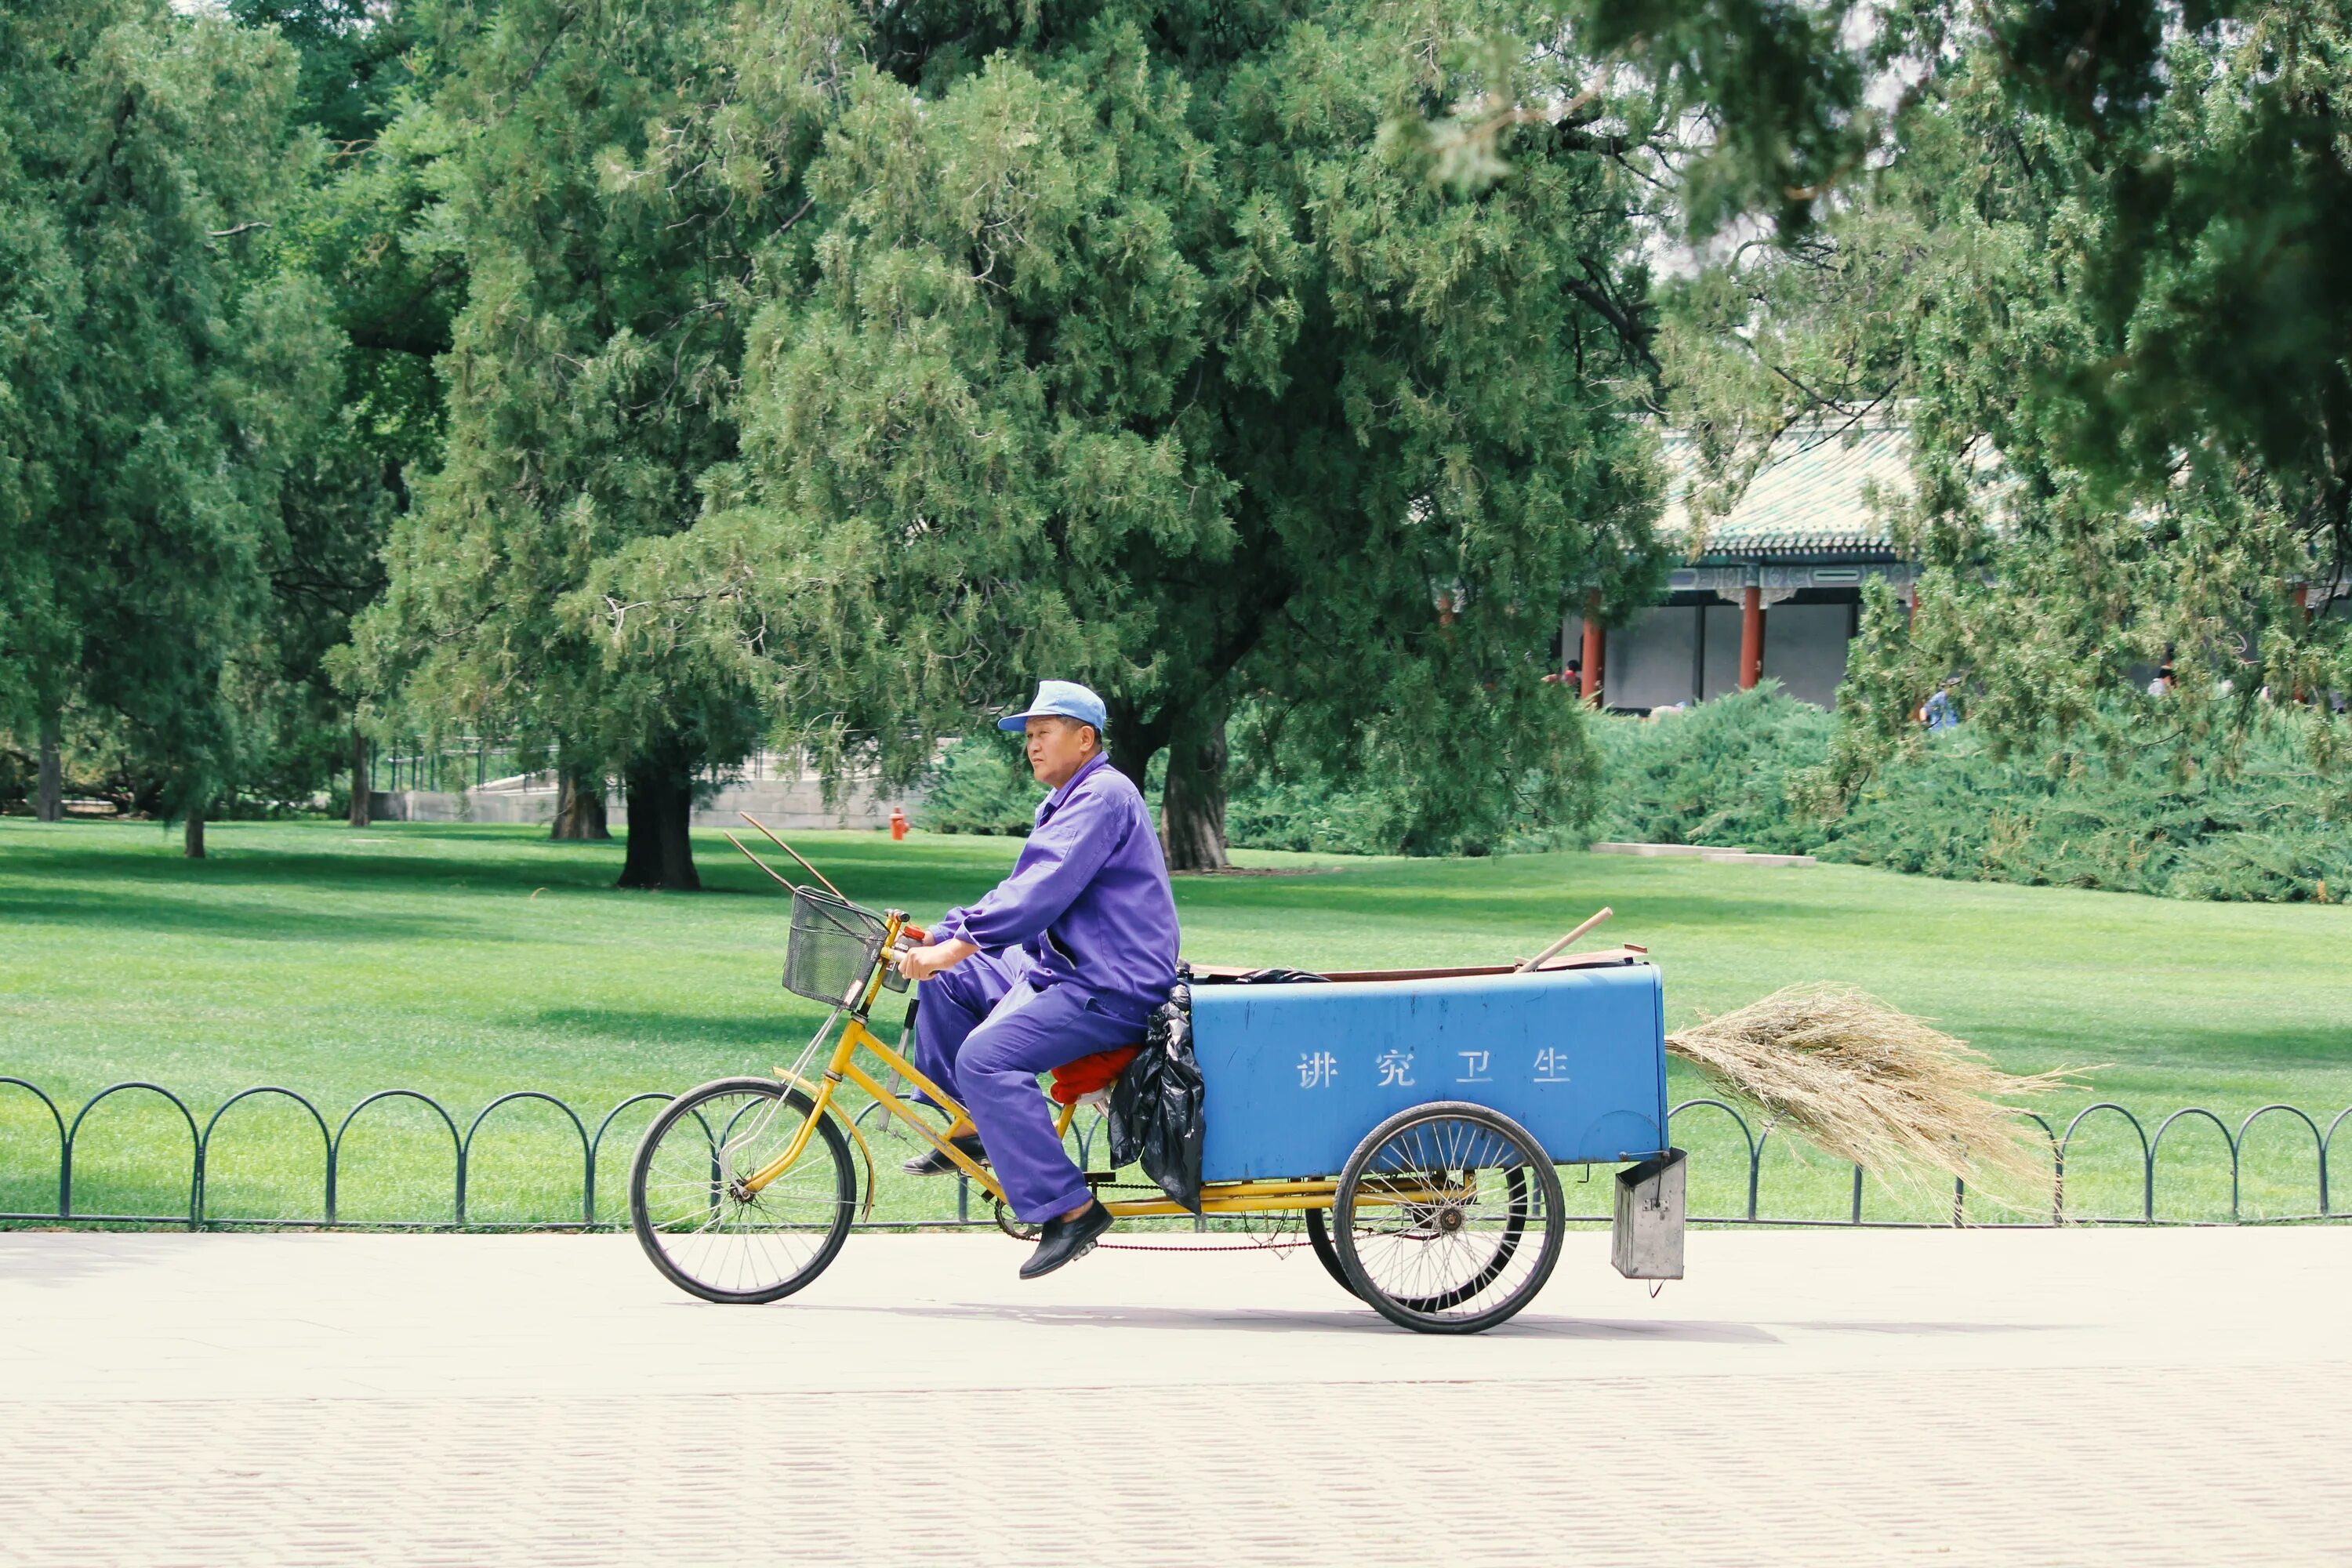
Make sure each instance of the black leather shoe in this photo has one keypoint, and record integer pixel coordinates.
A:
(932, 1163)
(1067, 1241)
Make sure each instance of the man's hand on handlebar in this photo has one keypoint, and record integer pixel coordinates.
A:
(922, 962)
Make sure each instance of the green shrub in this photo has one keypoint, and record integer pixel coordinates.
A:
(2283, 866)
(1718, 773)
(980, 784)
(2248, 827)
(2251, 827)
(1301, 813)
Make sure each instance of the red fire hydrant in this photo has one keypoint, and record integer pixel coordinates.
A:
(897, 824)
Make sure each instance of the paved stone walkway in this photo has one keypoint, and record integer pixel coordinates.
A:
(1805, 1397)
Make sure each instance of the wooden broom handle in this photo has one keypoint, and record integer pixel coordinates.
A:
(796, 855)
(755, 860)
(1605, 912)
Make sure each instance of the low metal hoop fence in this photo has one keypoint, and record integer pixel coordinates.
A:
(1752, 1144)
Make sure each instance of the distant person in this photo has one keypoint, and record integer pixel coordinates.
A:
(1938, 712)
(1572, 674)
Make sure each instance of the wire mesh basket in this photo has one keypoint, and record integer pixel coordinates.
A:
(833, 948)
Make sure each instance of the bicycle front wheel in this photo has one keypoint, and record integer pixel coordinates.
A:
(695, 1215)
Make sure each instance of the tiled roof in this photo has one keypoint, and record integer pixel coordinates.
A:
(1808, 500)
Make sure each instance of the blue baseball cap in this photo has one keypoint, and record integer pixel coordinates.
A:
(1061, 699)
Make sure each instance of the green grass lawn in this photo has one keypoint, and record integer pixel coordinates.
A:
(470, 961)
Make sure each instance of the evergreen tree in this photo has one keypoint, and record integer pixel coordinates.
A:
(2093, 254)
(588, 389)
(358, 229)
(188, 372)
(1112, 341)
(38, 289)
(353, 61)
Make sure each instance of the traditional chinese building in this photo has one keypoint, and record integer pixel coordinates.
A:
(1776, 590)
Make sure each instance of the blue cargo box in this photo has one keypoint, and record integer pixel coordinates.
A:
(1296, 1075)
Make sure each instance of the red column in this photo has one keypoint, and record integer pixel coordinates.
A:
(1595, 645)
(1751, 637)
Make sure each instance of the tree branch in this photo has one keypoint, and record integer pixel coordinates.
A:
(1631, 330)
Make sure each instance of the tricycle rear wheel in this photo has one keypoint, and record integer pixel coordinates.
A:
(1318, 1239)
(1448, 1218)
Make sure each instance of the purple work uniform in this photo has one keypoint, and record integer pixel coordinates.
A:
(1076, 947)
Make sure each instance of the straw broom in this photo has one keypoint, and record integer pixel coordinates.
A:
(1872, 1085)
(1865, 1081)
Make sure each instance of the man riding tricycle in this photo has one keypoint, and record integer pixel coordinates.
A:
(1414, 1118)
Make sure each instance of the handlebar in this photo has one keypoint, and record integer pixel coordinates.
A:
(909, 936)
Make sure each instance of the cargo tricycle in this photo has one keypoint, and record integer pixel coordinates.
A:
(1415, 1118)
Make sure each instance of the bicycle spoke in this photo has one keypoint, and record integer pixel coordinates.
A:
(695, 1218)
(1450, 1221)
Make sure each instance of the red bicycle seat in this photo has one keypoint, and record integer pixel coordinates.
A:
(1073, 1080)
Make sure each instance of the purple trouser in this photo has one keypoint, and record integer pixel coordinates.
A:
(984, 1035)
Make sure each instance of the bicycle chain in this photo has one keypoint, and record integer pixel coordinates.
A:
(1268, 1245)
(1194, 1246)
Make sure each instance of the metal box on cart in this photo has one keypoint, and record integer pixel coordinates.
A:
(1294, 1074)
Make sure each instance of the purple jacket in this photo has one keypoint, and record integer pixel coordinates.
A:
(1088, 900)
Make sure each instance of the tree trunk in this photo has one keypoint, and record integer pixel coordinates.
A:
(192, 832)
(1192, 806)
(50, 805)
(579, 804)
(661, 806)
(361, 814)
(1133, 741)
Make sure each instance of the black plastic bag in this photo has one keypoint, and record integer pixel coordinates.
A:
(1155, 1107)
(1265, 977)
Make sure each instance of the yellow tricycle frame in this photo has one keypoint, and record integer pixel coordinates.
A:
(844, 1066)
